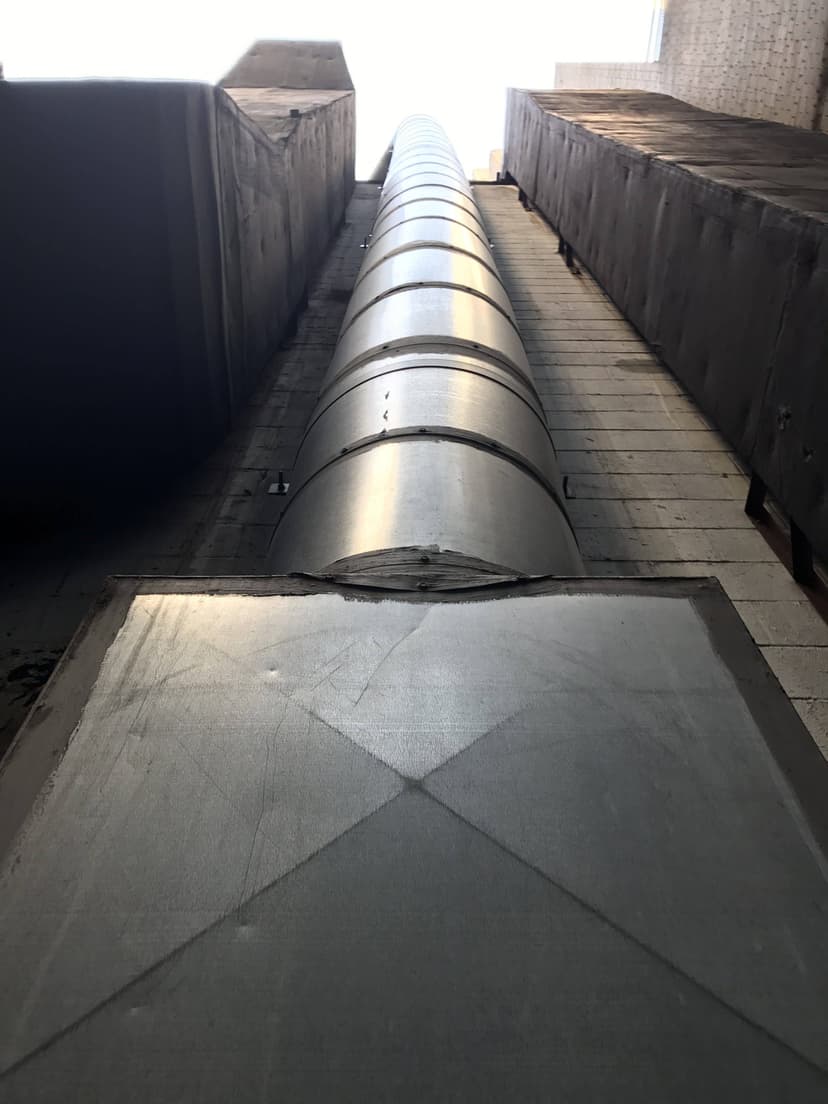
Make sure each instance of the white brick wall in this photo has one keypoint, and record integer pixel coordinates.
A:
(762, 58)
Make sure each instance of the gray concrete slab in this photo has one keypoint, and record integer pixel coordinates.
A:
(657, 513)
(663, 421)
(684, 488)
(728, 545)
(783, 622)
(650, 462)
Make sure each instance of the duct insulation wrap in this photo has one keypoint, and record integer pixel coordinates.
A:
(429, 443)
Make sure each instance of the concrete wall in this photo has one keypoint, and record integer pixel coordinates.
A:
(281, 203)
(278, 64)
(761, 58)
(709, 232)
(159, 243)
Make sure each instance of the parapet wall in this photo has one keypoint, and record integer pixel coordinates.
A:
(157, 243)
(710, 232)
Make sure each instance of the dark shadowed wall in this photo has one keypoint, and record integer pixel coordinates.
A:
(157, 242)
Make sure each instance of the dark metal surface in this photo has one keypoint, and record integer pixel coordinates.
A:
(428, 432)
(710, 233)
(168, 232)
(308, 841)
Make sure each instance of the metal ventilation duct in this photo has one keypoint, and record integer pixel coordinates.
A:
(429, 442)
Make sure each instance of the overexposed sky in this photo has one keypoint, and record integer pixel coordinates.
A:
(449, 59)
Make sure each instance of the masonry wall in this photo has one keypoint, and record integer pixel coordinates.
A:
(760, 58)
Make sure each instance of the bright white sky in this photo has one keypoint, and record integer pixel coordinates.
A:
(447, 59)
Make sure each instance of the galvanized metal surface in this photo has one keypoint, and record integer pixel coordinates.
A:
(481, 410)
(445, 233)
(485, 506)
(437, 267)
(315, 842)
(427, 343)
(452, 360)
(434, 316)
(426, 195)
(407, 208)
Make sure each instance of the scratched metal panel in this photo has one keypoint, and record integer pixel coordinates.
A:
(424, 164)
(344, 845)
(436, 316)
(424, 232)
(440, 205)
(482, 411)
(454, 361)
(439, 160)
(425, 194)
(447, 181)
(378, 498)
(432, 266)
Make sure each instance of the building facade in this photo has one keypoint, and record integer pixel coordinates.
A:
(762, 58)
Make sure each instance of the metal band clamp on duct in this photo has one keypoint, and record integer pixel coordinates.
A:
(429, 435)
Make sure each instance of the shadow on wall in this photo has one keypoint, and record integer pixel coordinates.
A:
(158, 238)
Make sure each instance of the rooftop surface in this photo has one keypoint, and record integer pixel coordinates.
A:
(786, 165)
(286, 64)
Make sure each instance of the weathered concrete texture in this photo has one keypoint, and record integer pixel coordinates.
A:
(711, 234)
(763, 58)
(161, 242)
(277, 64)
(668, 502)
(218, 518)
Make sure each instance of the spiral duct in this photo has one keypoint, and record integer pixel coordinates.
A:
(429, 437)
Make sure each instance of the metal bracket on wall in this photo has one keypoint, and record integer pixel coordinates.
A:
(565, 250)
(279, 487)
(802, 557)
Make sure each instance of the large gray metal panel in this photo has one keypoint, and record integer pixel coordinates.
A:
(438, 205)
(426, 160)
(425, 231)
(431, 316)
(384, 497)
(303, 841)
(437, 160)
(394, 363)
(416, 178)
(448, 403)
(426, 194)
(435, 267)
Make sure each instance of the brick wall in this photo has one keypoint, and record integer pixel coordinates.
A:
(761, 58)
